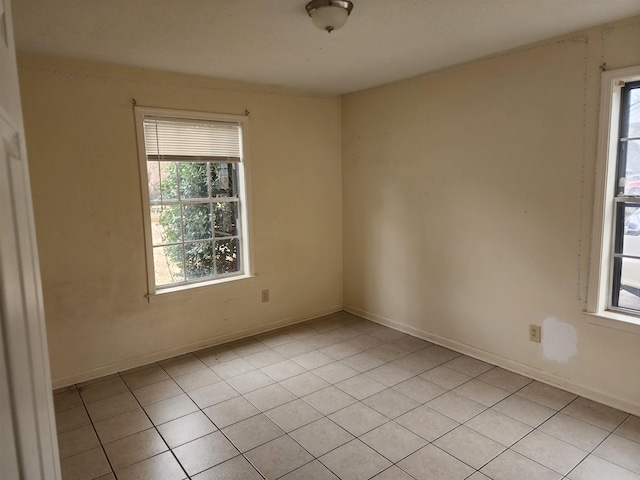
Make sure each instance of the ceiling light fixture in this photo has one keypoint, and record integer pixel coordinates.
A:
(329, 15)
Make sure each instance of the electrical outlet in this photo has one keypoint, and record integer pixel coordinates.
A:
(535, 333)
(265, 296)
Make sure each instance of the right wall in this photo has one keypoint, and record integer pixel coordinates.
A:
(467, 210)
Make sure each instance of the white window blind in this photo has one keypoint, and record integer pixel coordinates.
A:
(191, 140)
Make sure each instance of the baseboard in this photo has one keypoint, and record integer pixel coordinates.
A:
(507, 364)
(200, 344)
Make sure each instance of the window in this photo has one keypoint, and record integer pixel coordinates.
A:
(625, 291)
(193, 175)
(614, 289)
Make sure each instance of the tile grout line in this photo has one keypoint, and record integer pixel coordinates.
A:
(104, 452)
(324, 416)
(201, 410)
(340, 362)
(155, 427)
(287, 434)
(389, 420)
(588, 452)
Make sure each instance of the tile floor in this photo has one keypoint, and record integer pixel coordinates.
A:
(338, 397)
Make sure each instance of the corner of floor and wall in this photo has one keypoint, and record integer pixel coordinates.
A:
(455, 206)
(468, 201)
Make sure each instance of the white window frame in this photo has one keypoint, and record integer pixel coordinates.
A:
(600, 278)
(156, 292)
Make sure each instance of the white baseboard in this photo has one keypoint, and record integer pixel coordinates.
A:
(190, 347)
(503, 362)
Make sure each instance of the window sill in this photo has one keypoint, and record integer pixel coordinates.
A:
(198, 288)
(619, 321)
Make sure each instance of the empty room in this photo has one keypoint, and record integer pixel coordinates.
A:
(299, 240)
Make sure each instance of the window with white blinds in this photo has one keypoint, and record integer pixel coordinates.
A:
(195, 199)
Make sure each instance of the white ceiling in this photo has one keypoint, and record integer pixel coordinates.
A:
(273, 42)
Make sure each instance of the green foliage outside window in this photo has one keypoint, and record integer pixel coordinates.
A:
(204, 254)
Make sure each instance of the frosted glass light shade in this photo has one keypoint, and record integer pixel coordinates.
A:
(329, 17)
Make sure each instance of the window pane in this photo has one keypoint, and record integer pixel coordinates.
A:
(226, 219)
(167, 263)
(153, 176)
(162, 181)
(193, 180)
(223, 180)
(197, 221)
(198, 260)
(630, 284)
(631, 229)
(166, 224)
(227, 260)
(632, 168)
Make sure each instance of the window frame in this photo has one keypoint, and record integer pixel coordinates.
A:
(244, 200)
(601, 278)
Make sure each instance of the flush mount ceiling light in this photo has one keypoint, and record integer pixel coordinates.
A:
(329, 15)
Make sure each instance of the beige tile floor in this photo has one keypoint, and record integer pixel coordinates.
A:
(338, 397)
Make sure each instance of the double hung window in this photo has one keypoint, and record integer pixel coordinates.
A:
(625, 291)
(614, 284)
(194, 186)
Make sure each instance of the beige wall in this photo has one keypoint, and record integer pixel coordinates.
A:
(84, 166)
(464, 212)
(467, 204)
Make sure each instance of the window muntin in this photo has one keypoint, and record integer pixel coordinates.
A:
(625, 277)
(196, 211)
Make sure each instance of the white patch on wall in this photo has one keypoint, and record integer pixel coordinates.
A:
(559, 340)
